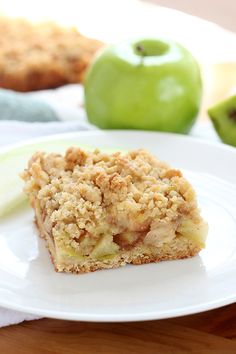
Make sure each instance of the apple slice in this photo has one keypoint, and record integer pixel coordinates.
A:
(223, 117)
(12, 163)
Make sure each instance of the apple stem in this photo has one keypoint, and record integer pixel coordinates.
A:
(140, 49)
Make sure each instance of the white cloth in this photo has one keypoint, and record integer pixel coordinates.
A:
(73, 118)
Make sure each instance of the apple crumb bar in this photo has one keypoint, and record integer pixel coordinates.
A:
(43, 55)
(98, 210)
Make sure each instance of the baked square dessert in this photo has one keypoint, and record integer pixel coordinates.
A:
(98, 210)
(42, 56)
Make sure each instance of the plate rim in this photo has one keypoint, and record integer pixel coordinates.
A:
(144, 316)
(202, 141)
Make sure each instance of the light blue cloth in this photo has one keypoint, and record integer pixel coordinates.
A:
(18, 106)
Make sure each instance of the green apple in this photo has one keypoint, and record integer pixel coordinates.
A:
(223, 117)
(148, 84)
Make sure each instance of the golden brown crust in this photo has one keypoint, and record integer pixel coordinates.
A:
(35, 57)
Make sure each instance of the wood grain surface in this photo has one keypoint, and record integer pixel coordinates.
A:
(211, 332)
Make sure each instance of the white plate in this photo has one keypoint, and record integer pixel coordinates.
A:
(154, 291)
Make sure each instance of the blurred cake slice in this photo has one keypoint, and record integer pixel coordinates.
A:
(97, 210)
(42, 56)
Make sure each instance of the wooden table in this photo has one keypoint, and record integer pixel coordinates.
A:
(212, 332)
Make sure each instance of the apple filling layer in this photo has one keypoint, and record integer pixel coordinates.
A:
(98, 210)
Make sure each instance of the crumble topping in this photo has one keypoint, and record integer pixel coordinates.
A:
(85, 195)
